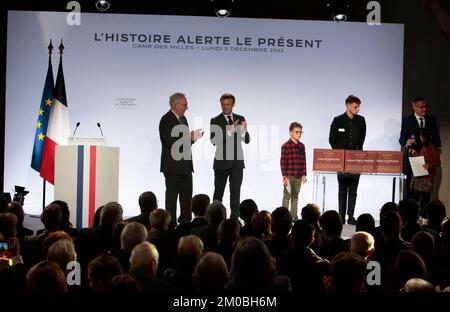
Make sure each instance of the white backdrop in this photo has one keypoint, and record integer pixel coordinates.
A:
(125, 86)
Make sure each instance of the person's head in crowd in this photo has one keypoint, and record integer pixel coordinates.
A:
(436, 212)
(101, 269)
(311, 214)
(281, 221)
(423, 243)
(261, 224)
(62, 252)
(366, 223)
(160, 219)
(347, 273)
(17, 209)
(122, 284)
(111, 214)
(363, 244)
(228, 232)
(390, 225)
(147, 202)
(331, 224)
(445, 235)
(246, 210)
(132, 234)
(190, 248)
(216, 213)
(211, 273)
(54, 237)
(46, 277)
(65, 214)
(97, 216)
(115, 234)
(418, 285)
(389, 206)
(8, 223)
(419, 106)
(51, 217)
(408, 210)
(145, 257)
(199, 204)
(303, 234)
(3, 204)
(252, 267)
(407, 265)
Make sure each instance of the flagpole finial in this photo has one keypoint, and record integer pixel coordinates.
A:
(61, 47)
(50, 47)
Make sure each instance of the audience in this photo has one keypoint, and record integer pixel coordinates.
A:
(147, 203)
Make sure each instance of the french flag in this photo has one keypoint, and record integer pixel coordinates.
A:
(58, 127)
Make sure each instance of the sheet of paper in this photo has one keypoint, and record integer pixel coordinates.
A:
(417, 166)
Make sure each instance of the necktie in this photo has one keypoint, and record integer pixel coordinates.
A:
(421, 122)
(230, 121)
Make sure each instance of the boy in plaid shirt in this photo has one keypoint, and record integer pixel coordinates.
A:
(293, 167)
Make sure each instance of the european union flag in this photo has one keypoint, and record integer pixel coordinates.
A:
(43, 115)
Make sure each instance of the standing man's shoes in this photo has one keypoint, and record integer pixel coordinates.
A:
(351, 221)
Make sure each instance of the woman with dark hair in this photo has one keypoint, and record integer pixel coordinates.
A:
(46, 277)
(423, 186)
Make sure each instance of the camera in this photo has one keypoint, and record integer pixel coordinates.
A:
(4, 246)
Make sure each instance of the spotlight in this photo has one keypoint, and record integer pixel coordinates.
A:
(338, 9)
(102, 5)
(222, 8)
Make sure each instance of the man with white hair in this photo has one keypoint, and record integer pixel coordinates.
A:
(144, 262)
(363, 244)
(132, 234)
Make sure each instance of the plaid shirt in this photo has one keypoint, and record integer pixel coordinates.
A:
(293, 159)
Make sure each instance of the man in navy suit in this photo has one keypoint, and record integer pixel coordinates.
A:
(176, 157)
(228, 131)
(410, 136)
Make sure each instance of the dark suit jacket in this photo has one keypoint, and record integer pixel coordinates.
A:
(410, 129)
(169, 165)
(346, 133)
(223, 142)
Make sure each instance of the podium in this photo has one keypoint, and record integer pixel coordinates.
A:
(86, 177)
(371, 163)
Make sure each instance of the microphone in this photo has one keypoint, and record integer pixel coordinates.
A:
(410, 148)
(100, 127)
(76, 127)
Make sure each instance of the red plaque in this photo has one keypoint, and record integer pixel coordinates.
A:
(328, 160)
(389, 162)
(360, 161)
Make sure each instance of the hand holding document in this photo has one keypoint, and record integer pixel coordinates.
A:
(417, 166)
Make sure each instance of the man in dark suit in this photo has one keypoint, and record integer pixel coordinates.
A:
(176, 157)
(348, 131)
(228, 130)
(410, 136)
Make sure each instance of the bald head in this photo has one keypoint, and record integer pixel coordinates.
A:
(418, 285)
(145, 257)
(362, 243)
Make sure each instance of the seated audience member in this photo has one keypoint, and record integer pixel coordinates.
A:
(122, 284)
(62, 252)
(147, 203)
(281, 224)
(32, 250)
(66, 225)
(409, 214)
(228, 236)
(365, 223)
(163, 238)
(389, 206)
(102, 269)
(211, 274)
(261, 223)
(408, 265)
(246, 210)
(436, 211)
(54, 237)
(418, 285)
(253, 270)
(302, 265)
(347, 273)
(17, 209)
(46, 277)
(331, 224)
(144, 262)
(386, 252)
(443, 254)
(363, 244)
(311, 213)
(190, 249)
(132, 234)
(215, 214)
(199, 204)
